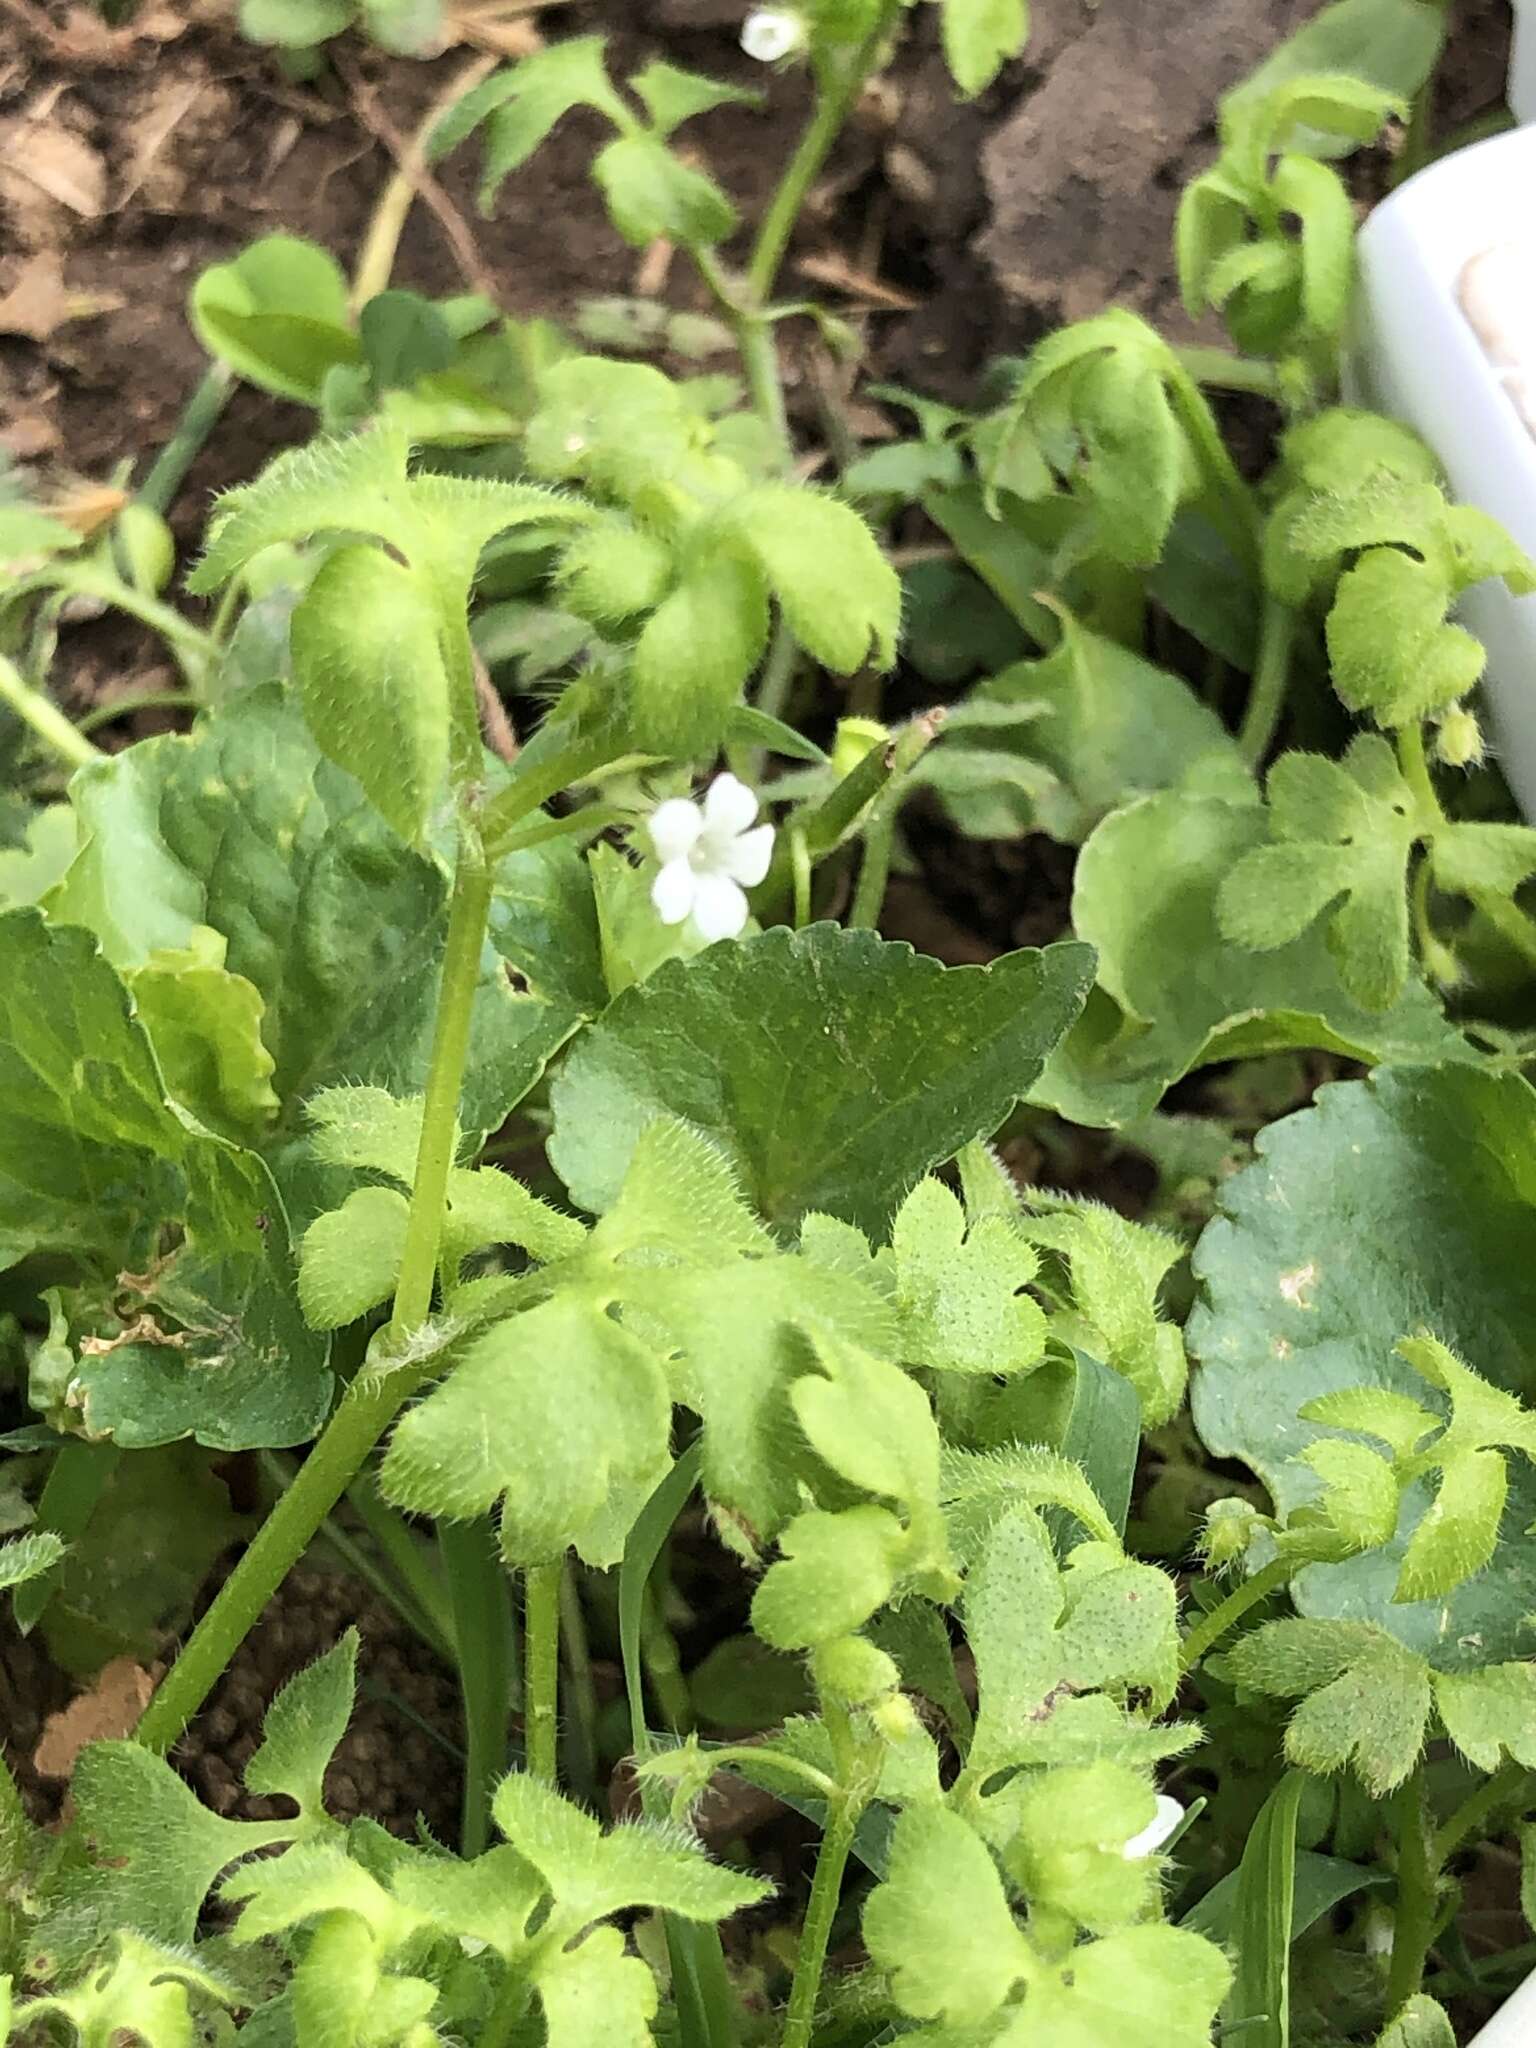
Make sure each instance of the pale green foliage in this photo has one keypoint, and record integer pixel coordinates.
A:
(1365, 529)
(1490, 1714)
(350, 1257)
(1365, 1698)
(1115, 1269)
(940, 1923)
(141, 1990)
(978, 1487)
(1338, 829)
(1042, 1638)
(979, 36)
(834, 1570)
(1098, 409)
(959, 1289)
(303, 1727)
(1421, 2024)
(1069, 1828)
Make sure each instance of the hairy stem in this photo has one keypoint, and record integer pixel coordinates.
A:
(372, 1401)
(1210, 1628)
(541, 1669)
(1217, 369)
(1417, 1888)
(844, 1812)
(44, 717)
(1271, 677)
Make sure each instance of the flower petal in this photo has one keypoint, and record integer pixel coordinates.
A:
(746, 859)
(1156, 1832)
(729, 807)
(719, 908)
(674, 828)
(769, 33)
(674, 891)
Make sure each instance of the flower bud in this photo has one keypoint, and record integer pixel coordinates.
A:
(145, 548)
(1230, 1527)
(1459, 743)
(770, 34)
(853, 1673)
(855, 737)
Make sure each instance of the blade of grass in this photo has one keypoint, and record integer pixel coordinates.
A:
(1264, 1922)
(1103, 1434)
(483, 1629)
(706, 2004)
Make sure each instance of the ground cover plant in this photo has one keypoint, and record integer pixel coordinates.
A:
(517, 1151)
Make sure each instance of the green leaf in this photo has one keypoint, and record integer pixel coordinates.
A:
(1320, 201)
(328, 486)
(243, 827)
(350, 1257)
(671, 96)
(959, 1290)
(834, 1571)
(156, 1851)
(278, 313)
(1322, 1882)
(1490, 1715)
(368, 662)
(404, 337)
(694, 653)
(831, 1067)
(1260, 1999)
(1108, 725)
(940, 1923)
(1365, 1698)
(1425, 1178)
(1421, 2024)
(592, 1874)
(597, 1992)
(1459, 1531)
(979, 1488)
(28, 1557)
(1392, 44)
(29, 871)
(544, 924)
(294, 24)
(839, 595)
(651, 193)
(1338, 829)
(525, 103)
(1393, 655)
(302, 1729)
(600, 1425)
(979, 37)
(205, 1026)
(1104, 1993)
(1145, 894)
(1117, 1269)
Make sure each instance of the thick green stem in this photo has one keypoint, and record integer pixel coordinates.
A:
(1210, 1629)
(44, 717)
(844, 1812)
(199, 417)
(541, 1669)
(841, 80)
(372, 1401)
(1271, 677)
(1417, 1890)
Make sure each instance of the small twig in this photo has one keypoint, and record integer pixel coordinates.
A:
(412, 181)
(500, 734)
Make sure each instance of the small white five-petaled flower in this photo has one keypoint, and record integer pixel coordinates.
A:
(770, 33)
(1156, 1832)
(710, 854)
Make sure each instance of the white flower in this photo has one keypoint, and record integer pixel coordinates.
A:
(769, 33)
(1152, 1837)
(709, 854)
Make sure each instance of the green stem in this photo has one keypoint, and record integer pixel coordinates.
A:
(135, 700)
(1510, 1785)
(1414, 763)
(541, 1669)
(483, 1630)
(844, 1812)
(44, 717)
(1417, 1889)
(880, 832)
(199, 417)
(1221, 471)
(581, 1747)
(372, 1400)
(193, 648)
(1210, 1628)
(1217, 369)
(841, 80)
(1271, 677)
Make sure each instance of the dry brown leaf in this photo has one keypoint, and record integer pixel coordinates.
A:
(40, 303)
(108, 1710)
(58, 162)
